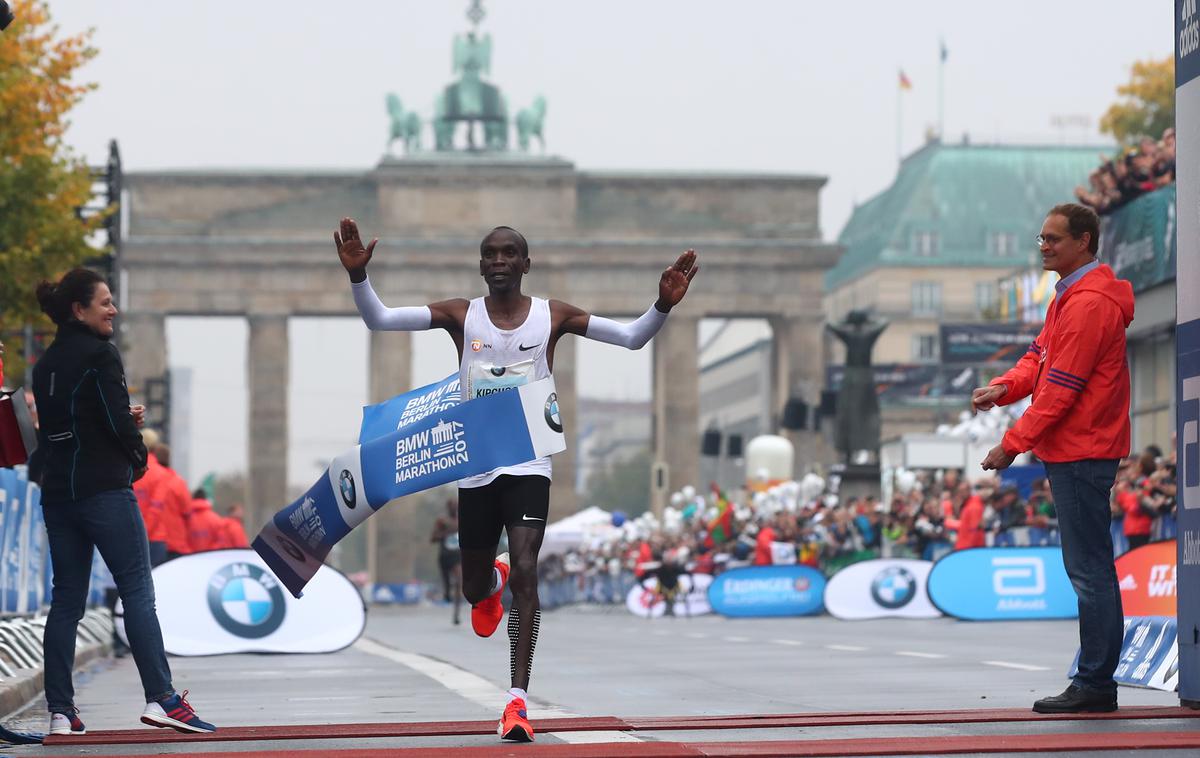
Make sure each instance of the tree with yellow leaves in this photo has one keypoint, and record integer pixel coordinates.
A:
(1148, 104)
(42, 183)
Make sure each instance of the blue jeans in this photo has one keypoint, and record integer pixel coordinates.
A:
(1081, 497)
(111, 522)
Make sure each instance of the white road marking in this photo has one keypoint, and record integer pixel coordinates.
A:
(787, 642)
(847, 648)
(482, 692)
(736, 639)
(1018, 666)
(915, 654)
(697, 635)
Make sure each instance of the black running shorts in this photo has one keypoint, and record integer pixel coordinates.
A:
(507, 502)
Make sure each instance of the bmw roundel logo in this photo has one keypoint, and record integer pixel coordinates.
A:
(246, 601)
(553, 419)
(498, 370)
(894, 587)
(346, 485)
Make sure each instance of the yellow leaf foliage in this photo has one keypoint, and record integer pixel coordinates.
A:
(1147, 106)
(42, 184)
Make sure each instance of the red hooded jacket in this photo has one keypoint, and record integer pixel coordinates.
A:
(1078, 375)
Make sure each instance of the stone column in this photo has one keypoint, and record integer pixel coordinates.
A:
(799, 360)
(391, 543)
(563, 500)
(677, 404)
(143, 350)
(267, 374)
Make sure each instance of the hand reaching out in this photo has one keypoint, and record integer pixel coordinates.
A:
(350, 250)
(673, 284)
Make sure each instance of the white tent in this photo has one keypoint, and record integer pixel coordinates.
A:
(577, 530)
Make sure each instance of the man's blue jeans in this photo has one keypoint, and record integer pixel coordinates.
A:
(1081, 497)
(110, 522)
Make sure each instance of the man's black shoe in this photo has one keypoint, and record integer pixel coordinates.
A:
(1077, 700)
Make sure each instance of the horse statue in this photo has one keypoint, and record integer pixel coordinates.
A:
(529, 124)
(405, 125)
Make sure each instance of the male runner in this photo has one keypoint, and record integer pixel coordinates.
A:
(445, 535)
(505, 340)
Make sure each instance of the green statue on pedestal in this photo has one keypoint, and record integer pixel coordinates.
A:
(405, 126)
(857, 420)
(471, 99)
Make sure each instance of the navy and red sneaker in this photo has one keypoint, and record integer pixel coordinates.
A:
(175, 712)
(67, 723)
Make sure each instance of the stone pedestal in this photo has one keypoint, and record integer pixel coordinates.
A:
(676, 406)
(267, 373)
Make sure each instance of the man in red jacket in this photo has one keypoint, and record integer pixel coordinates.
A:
(1078, 425)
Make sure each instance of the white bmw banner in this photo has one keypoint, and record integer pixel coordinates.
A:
(228, 601)
(875, 589)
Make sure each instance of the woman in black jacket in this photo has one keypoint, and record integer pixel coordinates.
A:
(89, 454)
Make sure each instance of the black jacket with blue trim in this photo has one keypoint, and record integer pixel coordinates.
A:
(87, 439)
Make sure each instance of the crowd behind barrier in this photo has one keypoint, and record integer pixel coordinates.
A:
(937, 512)
(1131, 173)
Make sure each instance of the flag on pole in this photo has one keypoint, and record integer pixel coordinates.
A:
(943, 52)
(720, 529)
(905, 84)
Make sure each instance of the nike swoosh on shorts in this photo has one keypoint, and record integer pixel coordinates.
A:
(531, 518)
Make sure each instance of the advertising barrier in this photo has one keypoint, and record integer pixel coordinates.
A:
(228, 601)
(1147, 579)
(24, 563)
(768, 591)
(880, 588)
(691, 600)
(1149, 655)
(1010, 583)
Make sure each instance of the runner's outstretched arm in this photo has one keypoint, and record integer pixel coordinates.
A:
(672, 286)
(377, 316)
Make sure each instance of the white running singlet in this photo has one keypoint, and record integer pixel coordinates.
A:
(496, 360)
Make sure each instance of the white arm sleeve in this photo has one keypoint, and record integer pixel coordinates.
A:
(633, 335)
(378, 317)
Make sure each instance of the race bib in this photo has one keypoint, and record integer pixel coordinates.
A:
(484, 379)
(450, 541)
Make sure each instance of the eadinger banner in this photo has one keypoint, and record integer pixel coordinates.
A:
(457, 441)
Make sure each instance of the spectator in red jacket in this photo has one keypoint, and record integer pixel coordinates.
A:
(177, 504)
(150, 503)
(206, 529)
(1077, 372)
(970, 523)
(233, 525)
(762, 545)
(1137, 520)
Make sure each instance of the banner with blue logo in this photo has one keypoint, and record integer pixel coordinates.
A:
(875, 589)
(466, 439)
(382, 419)
(1149, 656)
(1008, 583)
(768, 591)
(227, 601)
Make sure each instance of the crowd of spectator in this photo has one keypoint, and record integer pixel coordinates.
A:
(938, 512)
(1130, 174)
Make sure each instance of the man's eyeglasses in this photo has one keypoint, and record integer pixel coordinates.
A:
(1048, 239)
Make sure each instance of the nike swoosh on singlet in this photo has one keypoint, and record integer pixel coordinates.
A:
(522, 348)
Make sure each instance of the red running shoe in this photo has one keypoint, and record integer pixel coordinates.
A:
(487, 613)
(514, 724)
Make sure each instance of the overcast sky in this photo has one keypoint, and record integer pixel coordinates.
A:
(784, 86)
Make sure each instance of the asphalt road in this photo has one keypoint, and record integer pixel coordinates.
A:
(413, 665)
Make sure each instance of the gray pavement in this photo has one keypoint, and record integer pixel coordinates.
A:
(413, 665)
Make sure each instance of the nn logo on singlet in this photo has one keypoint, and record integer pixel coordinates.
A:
(477, 345)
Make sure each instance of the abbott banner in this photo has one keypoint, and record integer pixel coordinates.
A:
(768, 591)
(1003, 583)
(875, 589)
(227, 601)
(1147, 578)
(440, 447)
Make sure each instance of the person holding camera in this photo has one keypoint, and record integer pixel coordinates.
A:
(89, 455)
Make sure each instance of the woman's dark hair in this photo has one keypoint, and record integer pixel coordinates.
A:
(77, 286)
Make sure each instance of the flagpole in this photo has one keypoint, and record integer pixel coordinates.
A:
(941, 90)
(899, 143)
